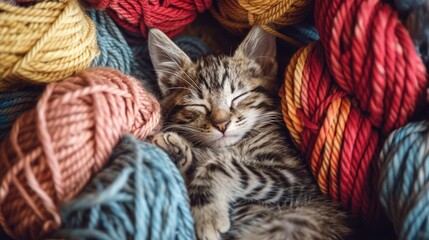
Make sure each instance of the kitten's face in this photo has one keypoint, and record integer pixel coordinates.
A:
(217, 100)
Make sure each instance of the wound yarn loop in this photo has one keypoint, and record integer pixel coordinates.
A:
(114, 49)
(139, 195)
(371, 56)
(44, 42)
(239, 15)
(137, 16)
(404, 185)
(330, 130)
(54, 149)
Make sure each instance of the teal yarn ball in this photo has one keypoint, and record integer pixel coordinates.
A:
(404, 180)
(13, 104)
(114, 49)
(139, 195)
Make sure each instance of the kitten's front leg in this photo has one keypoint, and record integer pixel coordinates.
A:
(177, 148)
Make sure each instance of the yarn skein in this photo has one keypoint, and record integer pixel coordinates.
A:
(137, 16)
(140, 195)
(330, 130)
(13, 104)
(54, 149)
(404, 165)
(371, 56)
(114, 49)
(44, 42)
(239, 15)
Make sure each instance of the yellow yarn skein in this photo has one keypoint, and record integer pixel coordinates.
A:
(239, 15)
(43, 43)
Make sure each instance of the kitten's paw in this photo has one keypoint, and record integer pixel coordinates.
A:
(210, 222)
(176, 146)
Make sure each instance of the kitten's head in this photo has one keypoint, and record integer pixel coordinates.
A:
(216, 100)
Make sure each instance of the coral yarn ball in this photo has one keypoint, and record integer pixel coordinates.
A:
(137, 16)
(54, 149)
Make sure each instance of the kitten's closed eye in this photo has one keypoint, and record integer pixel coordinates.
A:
(198, 108)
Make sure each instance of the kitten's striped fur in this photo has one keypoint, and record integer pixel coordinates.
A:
(225, 131)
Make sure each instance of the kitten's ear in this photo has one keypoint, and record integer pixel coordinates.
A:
(167, 58)
(261, 47)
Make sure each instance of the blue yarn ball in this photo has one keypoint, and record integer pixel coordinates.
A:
(304, 32)
(114, 49)
(13, 104)
(404, 180)
(140, 195)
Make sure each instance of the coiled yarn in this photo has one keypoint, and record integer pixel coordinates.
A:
(45, 42)
(137, 16)
(13, 104)
(371, 56)
(114, 49)
(240, 15)
(140, 195)
(54, 149)
(404, 165)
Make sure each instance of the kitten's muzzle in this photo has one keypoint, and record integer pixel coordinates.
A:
(220, 119)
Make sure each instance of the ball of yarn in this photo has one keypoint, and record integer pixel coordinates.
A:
(140, 195)
(137, 16)
(45, 42)
(114, 49)
(239, 15)
(371, 56)
(13, 104)
(329, 129)
(404, 165)
(417, 24)
(54, 149)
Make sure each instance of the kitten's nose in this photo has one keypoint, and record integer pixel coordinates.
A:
(220, 119)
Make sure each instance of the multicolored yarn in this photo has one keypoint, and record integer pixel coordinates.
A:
(140, 195)
(337, 111)
(44, 42)
(404, 164)
(54, 149)
(418, 27)
(137, 16)
(13, 104)
(239, 15)
(114, 49)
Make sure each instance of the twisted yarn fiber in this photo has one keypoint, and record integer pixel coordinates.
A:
(140, 195)
(114, 50)
(239, 15)
(404, 164)
(371, 56)
(137, 16)
(338, 104)
(45, 42)
(54, 149)
(330, 130)
(13, 104)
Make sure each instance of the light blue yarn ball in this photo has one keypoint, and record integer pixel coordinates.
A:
(404, 180)
(13, 104)
(114, 49)
(139, 195)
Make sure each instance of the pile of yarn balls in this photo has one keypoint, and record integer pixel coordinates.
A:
(78, 98)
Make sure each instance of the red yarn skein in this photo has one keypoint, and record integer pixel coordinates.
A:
(371, 55)
(54, 149)
(137, 16)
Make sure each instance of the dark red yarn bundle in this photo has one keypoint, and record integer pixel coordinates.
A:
(138, 16)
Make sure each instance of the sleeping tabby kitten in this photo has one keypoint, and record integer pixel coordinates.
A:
(224, 131)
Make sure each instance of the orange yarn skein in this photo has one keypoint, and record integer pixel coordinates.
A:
(239, 15)
(54, 149)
